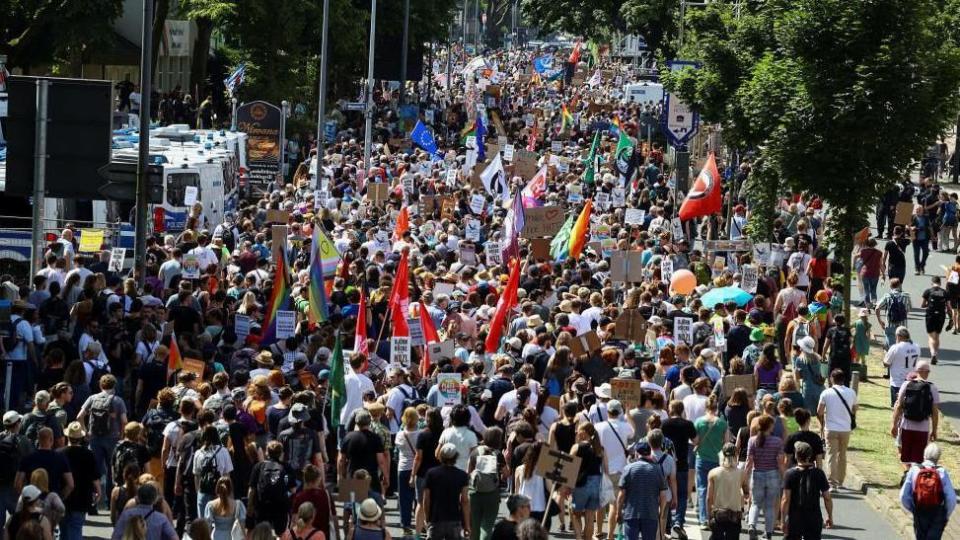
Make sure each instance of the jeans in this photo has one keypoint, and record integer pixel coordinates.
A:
(890, 332)
(71, 528)
(483, 514)
(703, 469)
(725, 531)
(765, 492)
(929, 524)
(8, 502)
(921, 250)
(406, 498)
(202, 500)
(445, 530)
(102, 448)
(870, 289)
(640, 528)
(683, 491)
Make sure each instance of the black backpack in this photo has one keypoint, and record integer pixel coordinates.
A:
(9, 458)
(123, 455)
(409, 399)
(917, 401)
(897, 310)
(272, 484)
(186, 448)
(840, 344)
(100, 411)
(11, 341)
(95, 376)
(30, 428)
(937, 301)
(209, 473)
(154, 422)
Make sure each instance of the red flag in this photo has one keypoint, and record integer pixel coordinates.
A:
(575, 55)
(400, 298)
(360, 339)
(507, 301)
(430, 335)
(704, 197)
(174, 359)
(403, 224)
(532, 138)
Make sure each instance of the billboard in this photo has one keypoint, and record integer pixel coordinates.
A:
(261, 121)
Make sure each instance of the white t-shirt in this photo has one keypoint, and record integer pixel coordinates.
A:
(616, 457)
(836, 415)
(465, 441)
(645, 385)
(356, 384)
(219, 453)
(694, 406)
(509, 400)
(172, 433)
(923, 425)
(406, 444)
(902, 358)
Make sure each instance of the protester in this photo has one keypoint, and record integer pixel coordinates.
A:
(837, 412)
(642, 496)
(518, 507)
(929, 495)
(727, 488)
(803, 487)
(916, 414)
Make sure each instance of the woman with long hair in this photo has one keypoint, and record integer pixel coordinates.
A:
(53, 506)
(808, 365)
(586, 494)
(529, 483)
(737, 410)
(563, 434)
(765, 467)
(301, 526)
(29, 513)
(225, 512)
(557, 371)
(487, 458)
(121, 494)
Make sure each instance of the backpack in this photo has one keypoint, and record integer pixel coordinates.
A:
(101, 409)
(897, 309)
(154, 422)
(209, 472)
(186, 448)
(272, 484)
(917, 401)
(937, 301)
(409, 400)
(840, 344)
(927, 489)
(485, 477)
(298, 447)
(95, 376)
(30, 428)
(800, 330)
(125, 453)
(9, 458)
(11, 341)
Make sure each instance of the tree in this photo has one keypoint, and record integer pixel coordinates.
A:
(207, 15)
(655, 21)
(839, 97)
(594, 19)
(42, 32)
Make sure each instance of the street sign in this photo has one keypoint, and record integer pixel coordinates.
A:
(680, 121)
(354, 106)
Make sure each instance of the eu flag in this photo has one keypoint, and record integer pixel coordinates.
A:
(543, 63)
(424, 139)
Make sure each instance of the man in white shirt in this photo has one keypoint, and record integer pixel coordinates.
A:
(66, 240)
(356, 384)
(52, 273)
(205, 256)
(88, 337)
(648, 370)
(23, 351)
(695, 405)
(901, 358)
(81, 268)
(614, 434)
(396, 396)
(836, 411)
(508, 402)
(595, 311)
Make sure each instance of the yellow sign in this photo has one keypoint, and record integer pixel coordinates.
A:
(91, 240)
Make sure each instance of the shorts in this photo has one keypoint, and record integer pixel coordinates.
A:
(587, 496)
(912, 444)
(420, 485)
(935, 323)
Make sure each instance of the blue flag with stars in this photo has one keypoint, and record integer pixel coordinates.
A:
(424, 139)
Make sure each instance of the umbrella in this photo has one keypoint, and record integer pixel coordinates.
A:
(723, 295)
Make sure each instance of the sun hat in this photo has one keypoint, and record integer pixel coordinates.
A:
(370, 510)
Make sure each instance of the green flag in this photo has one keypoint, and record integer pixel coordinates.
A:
(560, 246)
(591, 161)
(623, 156)
(338, 387)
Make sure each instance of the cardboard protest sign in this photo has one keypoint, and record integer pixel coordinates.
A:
(351, 489)
(425, 205)
(732, 382)
(627, 391)
(903, 213)
(540, 247)
(525, 163)
(278, 240)
(587, 343)
(557, 466)
(194, 366)
(543, 221)
(626, 266)
(278, 216)
(630, 325)
(378, 192)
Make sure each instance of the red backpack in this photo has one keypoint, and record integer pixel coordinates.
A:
(927, 489)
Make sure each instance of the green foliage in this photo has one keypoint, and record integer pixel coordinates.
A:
(655, 20)
(40, 32)
(594, 19)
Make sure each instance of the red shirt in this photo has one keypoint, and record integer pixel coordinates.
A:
(321, 504)
(871, 258)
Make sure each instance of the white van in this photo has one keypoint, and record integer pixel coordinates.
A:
(643, 92)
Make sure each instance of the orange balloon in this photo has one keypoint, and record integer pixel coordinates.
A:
(683, 282)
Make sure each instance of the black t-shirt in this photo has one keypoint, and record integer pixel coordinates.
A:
(516, 458)
(427, 442)
(936, 298)
(895, 252)
(806, 484)
(504, 530)
(153, 375)
(272, 507)
(680, 431)
(55, 464)
(808, 437)
(185, 319)
(361, 449)
(445, 484)
(85, 471)
(591, 464)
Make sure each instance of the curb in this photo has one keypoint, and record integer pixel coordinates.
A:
(882, 500)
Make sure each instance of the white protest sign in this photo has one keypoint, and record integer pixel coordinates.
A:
(116, 259)
(286, 324)
(400, 351)
(416, 332)
(241, 326)
(666, 269)
(492, 251)
(749, 277)
(556, 146)
(683, 329)
(449, 386)
(761, 253)
(618, 198)
(508, 152)
(472, 230)
(190, 195)
(677, 229)
(603, 200)
(317, 202)
(408, 184)
(634, 216)
(451, 177)
(477, 202)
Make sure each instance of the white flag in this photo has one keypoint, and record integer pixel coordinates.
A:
(596, 79)
(495, 179)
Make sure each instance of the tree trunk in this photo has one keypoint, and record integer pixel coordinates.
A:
(201, 52)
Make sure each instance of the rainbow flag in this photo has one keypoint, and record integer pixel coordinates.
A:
(615, 126)
(329, 257)
(578, 236)
(566, 118)
(174, 359)
(318, 311)
(279, 300)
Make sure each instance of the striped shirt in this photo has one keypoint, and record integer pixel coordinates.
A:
(765, 457)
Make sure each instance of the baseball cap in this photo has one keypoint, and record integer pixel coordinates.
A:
(614, 406)
(11, 417)
(298, 413)
(448, 451)
(30, 493)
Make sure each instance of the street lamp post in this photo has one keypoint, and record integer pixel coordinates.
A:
(403, 52)
(368, 128)
(322, 98)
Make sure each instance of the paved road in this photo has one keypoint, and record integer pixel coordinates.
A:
(857, 521)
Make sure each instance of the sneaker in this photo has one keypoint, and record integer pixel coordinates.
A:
(933, 360)
(679, 532)
(754, 533)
